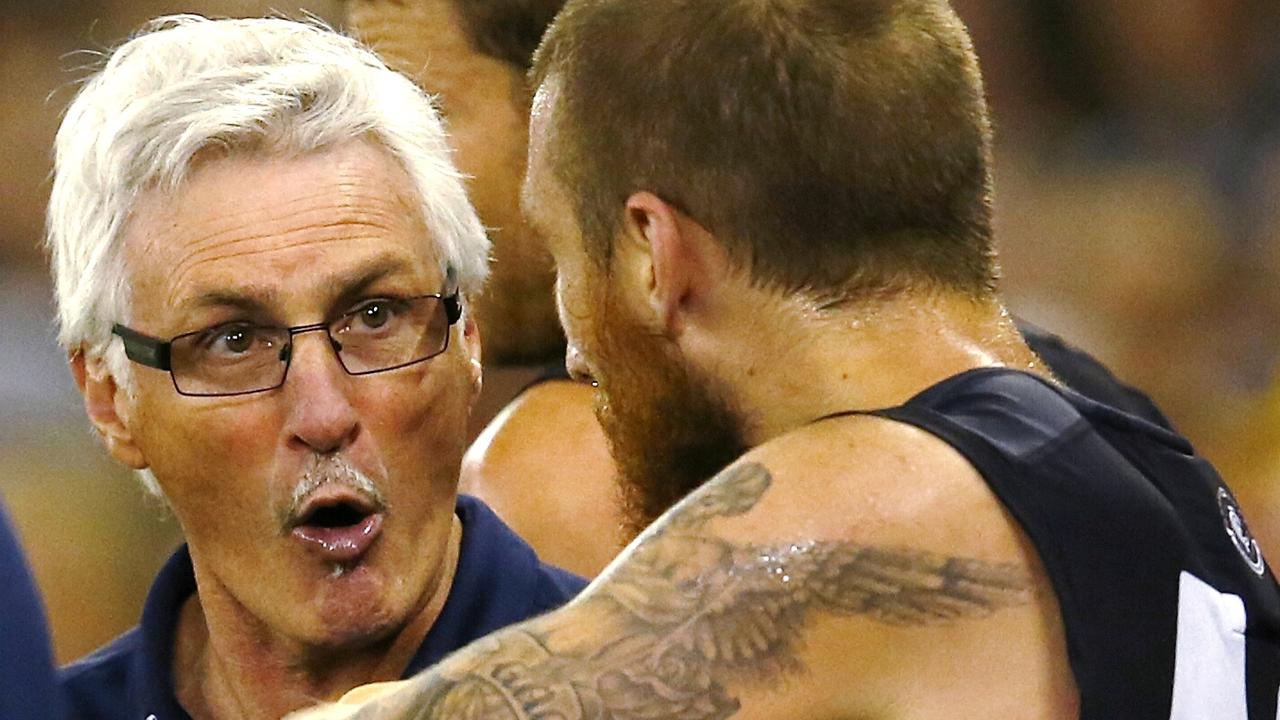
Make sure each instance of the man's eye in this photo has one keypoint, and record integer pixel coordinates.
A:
(380, 314)
(238, 340)
(374, 314)
(230, 339)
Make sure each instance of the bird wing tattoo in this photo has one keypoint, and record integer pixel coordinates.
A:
(688, 615)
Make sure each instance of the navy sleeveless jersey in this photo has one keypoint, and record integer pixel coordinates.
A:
(1170, 610)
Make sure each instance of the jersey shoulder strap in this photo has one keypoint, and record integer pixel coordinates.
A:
(1119, 510)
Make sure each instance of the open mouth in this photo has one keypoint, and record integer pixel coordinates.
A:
(340, 515)
(338, 524)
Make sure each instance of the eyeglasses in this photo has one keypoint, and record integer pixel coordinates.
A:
(240, 358)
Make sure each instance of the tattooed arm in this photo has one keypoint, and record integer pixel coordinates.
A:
(697, 624)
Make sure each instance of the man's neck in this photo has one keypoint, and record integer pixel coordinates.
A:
(228, 664)
(861, 357)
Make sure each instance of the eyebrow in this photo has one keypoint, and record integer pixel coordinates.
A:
(255, 299)
(379, 269)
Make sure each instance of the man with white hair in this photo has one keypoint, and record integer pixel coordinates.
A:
(262, 255)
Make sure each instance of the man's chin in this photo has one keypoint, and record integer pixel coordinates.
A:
(350, 606)
(348, 616)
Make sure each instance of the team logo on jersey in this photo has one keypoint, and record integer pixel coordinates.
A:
(1238, 531)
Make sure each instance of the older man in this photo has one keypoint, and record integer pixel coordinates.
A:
(771, 223)
(263, 256)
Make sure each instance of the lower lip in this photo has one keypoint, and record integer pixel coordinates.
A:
(340, 545)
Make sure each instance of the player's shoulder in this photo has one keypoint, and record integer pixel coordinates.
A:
(544, 466)
(547, 415)
(900, 555)
(533, 436)
(871, 479)
(562, 397)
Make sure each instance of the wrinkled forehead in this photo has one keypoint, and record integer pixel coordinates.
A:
(293, 222)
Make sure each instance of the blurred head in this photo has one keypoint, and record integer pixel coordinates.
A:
(472, 55)
(272, 207)
(835, 149)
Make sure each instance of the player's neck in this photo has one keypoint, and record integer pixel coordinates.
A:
(227, 664)
(862, 357)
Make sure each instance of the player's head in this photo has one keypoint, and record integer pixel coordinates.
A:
(261, 250)
(474, 56)
(834, 149)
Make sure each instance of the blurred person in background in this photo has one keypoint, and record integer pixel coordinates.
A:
(28, 690)
(543, 463)
(1133, 201)
(772, 228)
(262, 258)
(1257, 459)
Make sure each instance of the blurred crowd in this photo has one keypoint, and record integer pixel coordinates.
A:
(1138, 215)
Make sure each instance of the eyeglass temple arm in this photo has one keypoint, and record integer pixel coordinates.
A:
(453, 299)
(143, 349)
(452, 307)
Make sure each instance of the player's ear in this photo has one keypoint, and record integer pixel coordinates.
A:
(678, 259)
(108, 407)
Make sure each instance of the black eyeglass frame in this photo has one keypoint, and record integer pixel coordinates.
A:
(156, 352)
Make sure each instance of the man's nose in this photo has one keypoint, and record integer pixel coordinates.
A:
(321, 416)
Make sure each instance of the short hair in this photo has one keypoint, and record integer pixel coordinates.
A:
(837, 147)
(507, 30)
(187, 85)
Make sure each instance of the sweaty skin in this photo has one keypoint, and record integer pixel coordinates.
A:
(1259, 468)
(749, 600)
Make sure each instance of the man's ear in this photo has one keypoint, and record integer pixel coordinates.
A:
(108, 408)
(679, 259)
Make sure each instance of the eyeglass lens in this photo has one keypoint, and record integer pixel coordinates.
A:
(242, 358)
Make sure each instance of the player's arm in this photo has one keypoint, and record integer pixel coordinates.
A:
(752, 599)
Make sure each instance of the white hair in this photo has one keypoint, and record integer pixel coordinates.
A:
(188, 84)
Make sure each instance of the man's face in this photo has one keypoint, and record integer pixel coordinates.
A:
(668, 427)
(485, 104)
(320, 509)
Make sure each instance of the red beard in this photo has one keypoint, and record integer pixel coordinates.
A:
(668, 431)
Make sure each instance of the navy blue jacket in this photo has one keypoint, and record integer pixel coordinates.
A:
(27, 688)
(499, 581)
